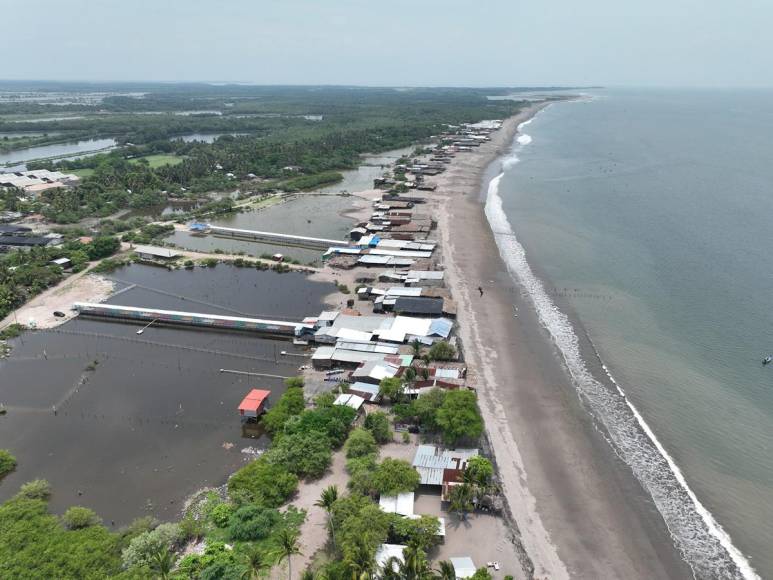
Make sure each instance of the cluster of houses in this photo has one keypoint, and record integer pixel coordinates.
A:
(35, 181)
(20, 237)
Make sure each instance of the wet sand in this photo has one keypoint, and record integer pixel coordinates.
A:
(580, 511)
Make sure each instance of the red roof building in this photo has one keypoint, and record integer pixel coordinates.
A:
(253, 404)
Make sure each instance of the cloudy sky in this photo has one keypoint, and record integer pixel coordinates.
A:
(392, 42)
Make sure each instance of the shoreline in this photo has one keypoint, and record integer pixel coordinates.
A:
(578, 509)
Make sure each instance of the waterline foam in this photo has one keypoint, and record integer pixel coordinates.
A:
(705, 546)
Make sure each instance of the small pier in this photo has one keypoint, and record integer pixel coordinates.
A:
(269, 237)
(281, 328)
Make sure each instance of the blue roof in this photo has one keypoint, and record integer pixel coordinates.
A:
(441, 327)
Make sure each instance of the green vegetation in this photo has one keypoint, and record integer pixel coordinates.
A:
(156, 161)
(78, 517)
(7, 462)
(458, 417)
(441, 350)
(263, 482)
(378, 424)
(360, 443)
(393, 476)
(290, 403)
(26, 274)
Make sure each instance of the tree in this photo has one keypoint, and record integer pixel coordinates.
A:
(416, 346)
(360, 443)
(7, 462)
(254, 563)
(393, 476)
(445, 570)
(268, 484)
(391, 387)
(287, 539)
(458, 416)
(251, 522)
(481, 574)
(102, 247)
(77, 517)
(460, 499)
(409, 375)
(290, 403)
(442, 350)
(478, 472)
(304, 454)
(326, 501)
(420, 532)
(142, 549)
(361, 527)
(378, 424)
(162, 562)
(415, 565)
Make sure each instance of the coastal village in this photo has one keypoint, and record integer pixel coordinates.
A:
(388, 337)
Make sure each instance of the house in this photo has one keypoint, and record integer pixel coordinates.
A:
(350, 400)
(253, 404)
(464, 567)
(438, 466)
(400, 504)
(156, 253)
(63, 263)
(374, 372)
(419, 305)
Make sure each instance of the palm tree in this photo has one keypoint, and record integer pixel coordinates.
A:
(254, 562)
(162, 562)
(446, 570)
(288, 547)
(416, 347)
(326, 500)
(415, 565)
(460, 499)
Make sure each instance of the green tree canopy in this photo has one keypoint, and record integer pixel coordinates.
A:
(359, 443)
(393, 476)
(378, 424)
(304, 454)
(263, 482)
(458, 417)
(442, 350)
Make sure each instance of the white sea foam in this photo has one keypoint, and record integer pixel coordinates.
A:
(523, 139)
(702, 541)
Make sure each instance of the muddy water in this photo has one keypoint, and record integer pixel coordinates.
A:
(156, 419)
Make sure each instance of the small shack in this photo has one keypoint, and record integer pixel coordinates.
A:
(464, 567)
(156, 253)
(254, 404)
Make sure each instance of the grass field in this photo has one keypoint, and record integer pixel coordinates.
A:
(159, 160)
(82, 173)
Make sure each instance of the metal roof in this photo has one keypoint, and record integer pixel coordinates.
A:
(464, 567)
(419, 305)
(350, 400)
(440, 327)
(431, 461)
(401, 504)
(254, 399)
(156, 251)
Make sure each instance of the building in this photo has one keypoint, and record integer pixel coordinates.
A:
(14, 230)
(156, 253)
(63, 263)
(350, 400)
(26, 241)
(253, 404)
(374, 372)
(422, 306)
(464, 567)
(438, 466)
(400, 504)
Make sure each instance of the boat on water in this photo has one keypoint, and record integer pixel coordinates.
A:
(767, 360)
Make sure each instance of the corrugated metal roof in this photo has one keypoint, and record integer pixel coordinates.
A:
(401, 504)
(440, 327)
(350, 400)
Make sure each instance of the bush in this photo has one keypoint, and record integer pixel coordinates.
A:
(481, 574)
(290, 403)
(304, 454)
(221, 514)
(479, 471)
(77, 517)
(335, 421)
(360, 443)
(378, 424)
(394, 476)
(142, 548)
(458, 417)
(36, 489)
(7, 462)
(421, 532)
(361, 471)
(264, 483)
(251, 522)
(442, 350)
(102, 247)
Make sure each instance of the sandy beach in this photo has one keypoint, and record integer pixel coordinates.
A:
(579, 510)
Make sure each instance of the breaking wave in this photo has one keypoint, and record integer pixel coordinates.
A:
(705, 546)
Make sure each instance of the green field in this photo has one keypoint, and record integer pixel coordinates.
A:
(82, 173)
(159, 160)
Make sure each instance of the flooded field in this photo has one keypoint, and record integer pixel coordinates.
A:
(322, 216)
(129, 424)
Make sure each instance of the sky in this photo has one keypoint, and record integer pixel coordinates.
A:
(392, 42)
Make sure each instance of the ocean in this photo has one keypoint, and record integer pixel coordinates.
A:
(640, 223)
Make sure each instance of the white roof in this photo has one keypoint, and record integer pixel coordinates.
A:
(156, 251)
(353, 335)
(323, 353)
(402, 291)
(401, 253)
(426, 274)
(60, 261)
(376, 370)
(365, 388)
(464, 567)
(328, 315)
(447, 373)
(387, 551)
(350, 400)
(401, 504)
